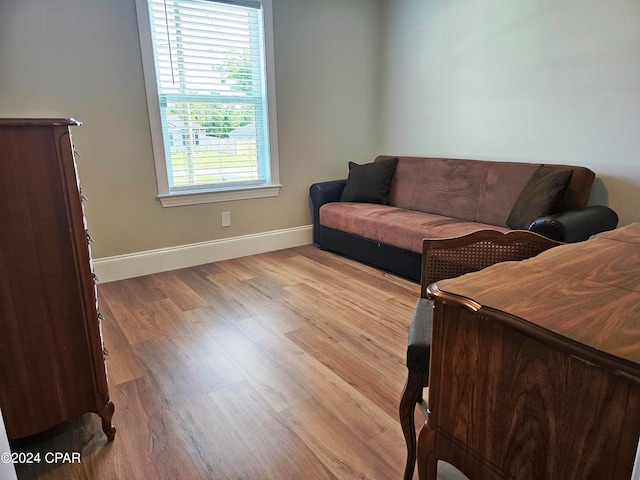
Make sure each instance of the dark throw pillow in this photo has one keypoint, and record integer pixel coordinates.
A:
(540, 196)
(370, 182)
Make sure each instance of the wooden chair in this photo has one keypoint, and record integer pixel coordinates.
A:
(442, 259)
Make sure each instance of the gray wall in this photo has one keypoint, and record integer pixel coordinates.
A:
(81, 58)
(554, 81)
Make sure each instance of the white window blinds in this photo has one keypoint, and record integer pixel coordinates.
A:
(210, 74)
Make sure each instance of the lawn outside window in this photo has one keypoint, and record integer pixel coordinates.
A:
(208, 69)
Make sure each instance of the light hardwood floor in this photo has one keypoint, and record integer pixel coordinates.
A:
(284, 365)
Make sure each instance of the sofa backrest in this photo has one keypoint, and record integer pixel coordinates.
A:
(474, 190)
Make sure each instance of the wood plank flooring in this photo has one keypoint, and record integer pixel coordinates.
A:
(284, 365)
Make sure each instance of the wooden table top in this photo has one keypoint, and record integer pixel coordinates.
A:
(584, 296)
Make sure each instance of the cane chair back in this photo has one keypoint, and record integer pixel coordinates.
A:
(452, 257)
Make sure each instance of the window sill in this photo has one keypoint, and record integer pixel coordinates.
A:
(193, 198)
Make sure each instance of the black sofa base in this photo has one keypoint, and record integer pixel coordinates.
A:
(401, 262)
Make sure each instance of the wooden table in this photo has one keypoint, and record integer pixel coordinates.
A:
(535, 366)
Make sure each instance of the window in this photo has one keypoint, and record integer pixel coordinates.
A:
(210, 91)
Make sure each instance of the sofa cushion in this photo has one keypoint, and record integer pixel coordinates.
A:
(394, 226)
(579, 187)
(369, 182)
(483, 191)
(502, 184)
(438, 185)
(541, 196)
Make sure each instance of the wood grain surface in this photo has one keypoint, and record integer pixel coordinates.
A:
(51, 357)
(535, 365)
(285, 365)
(585, 294)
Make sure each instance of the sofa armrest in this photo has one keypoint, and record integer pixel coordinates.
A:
(319, 194)
(325, 192)
(576, 225)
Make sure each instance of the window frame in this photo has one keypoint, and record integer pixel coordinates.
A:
(218, 194)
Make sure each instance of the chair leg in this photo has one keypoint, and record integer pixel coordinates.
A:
(411, 395)
(427, 461)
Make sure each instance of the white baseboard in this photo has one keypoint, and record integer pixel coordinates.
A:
(131, 265)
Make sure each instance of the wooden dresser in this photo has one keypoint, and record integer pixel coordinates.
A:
(535, 366)
(52, 366)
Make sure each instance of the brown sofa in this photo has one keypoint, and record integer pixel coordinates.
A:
(443, 198)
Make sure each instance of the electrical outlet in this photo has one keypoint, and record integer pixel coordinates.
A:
(226, 219)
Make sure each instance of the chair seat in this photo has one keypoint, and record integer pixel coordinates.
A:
(419, 344)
